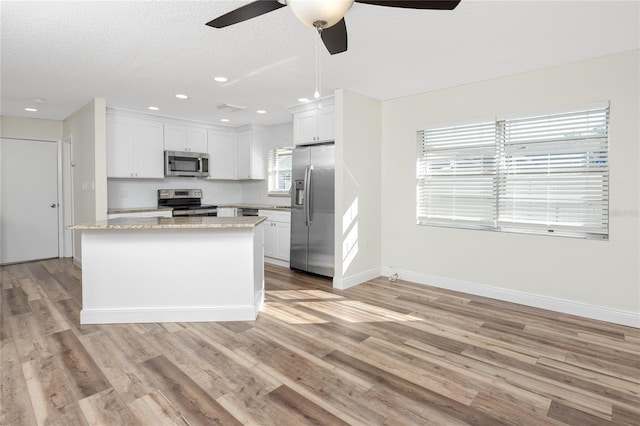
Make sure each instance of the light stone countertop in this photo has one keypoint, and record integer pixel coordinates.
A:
(256, 206)
(138, 209)
(206, 222)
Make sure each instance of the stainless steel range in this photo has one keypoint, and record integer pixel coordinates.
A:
(185, 202)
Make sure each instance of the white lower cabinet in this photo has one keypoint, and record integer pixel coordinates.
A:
(277, 234)
(227, 211)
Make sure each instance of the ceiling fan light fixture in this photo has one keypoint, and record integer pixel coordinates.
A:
(320, 13)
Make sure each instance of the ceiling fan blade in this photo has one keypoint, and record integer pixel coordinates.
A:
(415, 4)
(248, 11)
(335, 37)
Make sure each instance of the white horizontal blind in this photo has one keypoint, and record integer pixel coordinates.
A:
(456, 172)
(280, 163)
(554, 173)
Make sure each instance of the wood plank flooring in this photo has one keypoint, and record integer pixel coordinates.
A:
(381, 353)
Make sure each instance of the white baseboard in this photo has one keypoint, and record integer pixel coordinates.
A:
(276, 262)
(78, 262)
(631, 319)
(133, 315)
(343, 283)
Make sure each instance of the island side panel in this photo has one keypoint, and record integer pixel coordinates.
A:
(168, 275)
(258, 267)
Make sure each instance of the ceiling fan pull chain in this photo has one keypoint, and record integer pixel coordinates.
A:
(316, 94)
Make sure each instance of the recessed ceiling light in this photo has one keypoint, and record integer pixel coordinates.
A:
(303, 99)
(31, 109)
(181, 96)
(261, 111)
(221, 79)
(152, 108)
(224, 120)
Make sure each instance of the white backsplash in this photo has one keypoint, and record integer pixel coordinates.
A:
(256, 193)
(131, 193)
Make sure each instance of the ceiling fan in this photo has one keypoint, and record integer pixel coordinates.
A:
(327, 16)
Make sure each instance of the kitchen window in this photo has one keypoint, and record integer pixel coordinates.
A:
(545, 174)
(280, 171)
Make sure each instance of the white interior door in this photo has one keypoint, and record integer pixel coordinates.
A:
(29, 185)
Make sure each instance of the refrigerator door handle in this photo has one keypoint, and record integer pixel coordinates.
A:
(309, 197)
(307, 193)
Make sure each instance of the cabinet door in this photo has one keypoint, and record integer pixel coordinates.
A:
(119, 147)
(149, 149)
(243, 155)
(270, 239)
(326, 126)
(222, 154)
(196, 140)
(175, 138)
(305, 127)
(227, 212)
(283, 240)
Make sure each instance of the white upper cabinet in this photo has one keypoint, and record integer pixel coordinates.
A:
(222, 154)
(120, 146)
(305, 127)
(326, 124)
(136, 145)
(135, 148)
(237, 155)
(183, 138)
(250, 153)
(314, 122)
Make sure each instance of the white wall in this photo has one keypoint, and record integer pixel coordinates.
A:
(278, 136)
(87, 130)
(604, 275)
(358, 181)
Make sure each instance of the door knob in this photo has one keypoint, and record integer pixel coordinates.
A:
(53, 206)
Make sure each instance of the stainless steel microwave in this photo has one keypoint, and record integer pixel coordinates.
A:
(179, 163)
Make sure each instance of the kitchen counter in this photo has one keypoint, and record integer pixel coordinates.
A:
(206, 222)
(138, 210)
(256, 206)
(172, 269)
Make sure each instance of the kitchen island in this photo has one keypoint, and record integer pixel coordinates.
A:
(172, 269)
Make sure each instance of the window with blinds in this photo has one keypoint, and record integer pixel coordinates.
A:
(279, 168)
(456, 176)
(545, 174)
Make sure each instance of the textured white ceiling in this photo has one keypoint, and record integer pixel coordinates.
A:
(141, 53)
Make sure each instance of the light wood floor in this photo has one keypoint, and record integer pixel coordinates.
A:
(379, 353)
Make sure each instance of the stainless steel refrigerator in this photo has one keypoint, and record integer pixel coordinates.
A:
(313, 209)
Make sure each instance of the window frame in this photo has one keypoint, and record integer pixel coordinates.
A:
(273, 172)
(578, 205)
